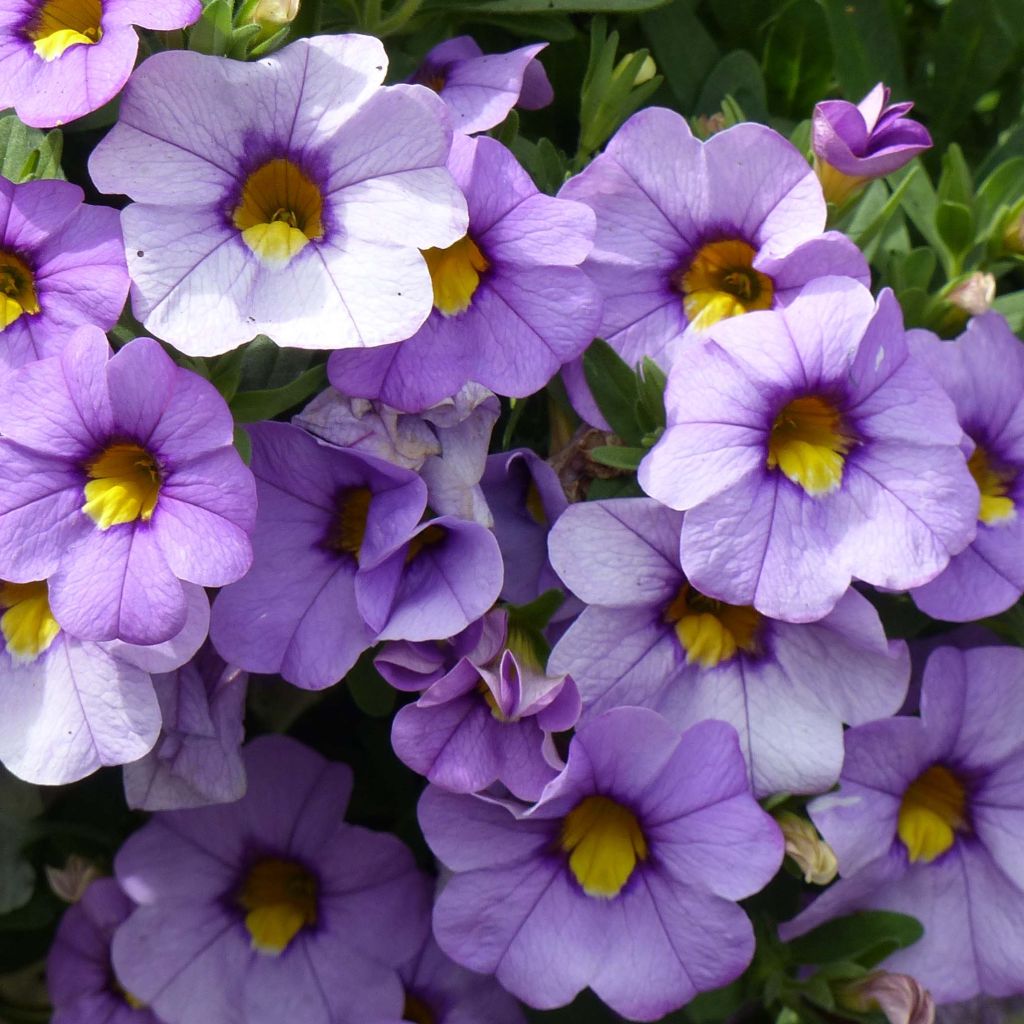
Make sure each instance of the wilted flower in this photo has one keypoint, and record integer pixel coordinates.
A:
(810, 852)
(902, 999)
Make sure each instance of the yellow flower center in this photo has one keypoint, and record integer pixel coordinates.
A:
(994, 507)
(604, 842)
(721, 282)
(61, 24)
(416, 1011)
(27, 623)
(710, 631)
(427, 538)
(455, 274)
(535, 504)
(280, 899)
(349, 527)
(279, 212)
(17, 289)
(124, 484)
(808, 442)
(932, 811)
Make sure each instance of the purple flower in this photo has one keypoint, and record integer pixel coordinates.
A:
(854, 143)
(61, 59)
(622, 877)
(510, 301)
(480, 89)
(271, 908)
(119, 481)
(61, 266)
(343, 559)
(648, 637)
(983, 373)
(294, 206)
(808, 446)
(197, 759)
(928, 821)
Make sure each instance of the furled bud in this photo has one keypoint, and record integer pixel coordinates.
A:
(974, 294)
(272, 15)
(900, 997)
(71, 881)
(810, 852)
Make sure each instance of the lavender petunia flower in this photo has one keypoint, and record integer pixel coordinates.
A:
(294, 206)
(480, 89)
(511, 303)
(343, 560)
(854, 143)
(272, 908)
(983, 373)
(197, 759)
(623, 877)
(119, 481)
(809, 447)
(927, 822)
(61, 266)
(62, 59)
(647, 637)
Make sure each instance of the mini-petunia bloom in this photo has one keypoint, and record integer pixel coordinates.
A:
(623, 877)
(648, 637)
(983, 373)
(119, 482)
(809, 446)
(511, 304)
(344, 558)
(61, 266)
(927, 822)
(62, 59)
(854, 143)
(272, 908)
(294, 206)
(480, 89)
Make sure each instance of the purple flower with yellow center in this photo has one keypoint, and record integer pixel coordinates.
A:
(294, 206)
(623, 877)
(928, 820)
(690, 233)
(983, 372)
(119, 482)
(62, 59)
(270, 908)
(511, 303)
(480, 89)
(648, 637)
(855, 143)
(71, 706)
(808, 446)
(61, 266)
(344, 558)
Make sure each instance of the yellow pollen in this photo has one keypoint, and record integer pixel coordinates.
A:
(280, 899)
(604, 842)
(932, 811)
(279, 212)
(721, 282)
(17, 289)
(425, 539)
(416, 1011)
(710, 631)
(994, 507)
(455, 274)
(61, 24)
(27, 623)
(808, 442)
(349, 526)
(124, 484)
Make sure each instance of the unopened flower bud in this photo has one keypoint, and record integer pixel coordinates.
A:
(709, 124)
(648, 69)
(974, 294)
(272, 14)
(70, 882)
(810, 852)
(1013, 236)
(900, 997)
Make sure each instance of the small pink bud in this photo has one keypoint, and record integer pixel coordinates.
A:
(900, 997)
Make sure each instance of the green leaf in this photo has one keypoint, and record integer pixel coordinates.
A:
(866, 938)
(865, 40)
(683, 49)
(615, 389)
(252, 406)
(243, 444)
(955, 225)
(617, 487)
(1011, 306)
(618, 456)
(212, 32)
(370, 691)
(651, 406)
(1003, 187)
(737, 75)
(718, 1005)
(537, 614)
(27, 153)
(559, 6)
(956, 184)
(797, 58)
(919, 200)
(873, 230)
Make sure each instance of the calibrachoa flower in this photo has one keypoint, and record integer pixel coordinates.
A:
(480, 89)
(927, 822)
(510, 301)
(61, 59)
(622, 877)
(648, 637)
(271, 908)
(119, 481)
(61, 266)
(808, 446)
(343, 559)
(983, 372)
(854, 143)
(294, 206)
